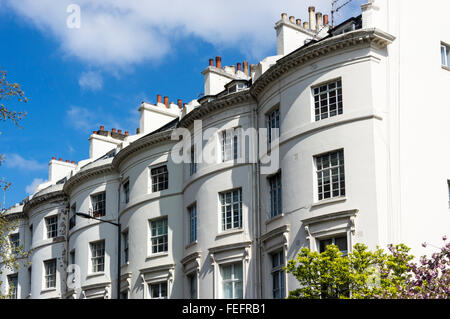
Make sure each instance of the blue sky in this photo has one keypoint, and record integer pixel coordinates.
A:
(124, 53)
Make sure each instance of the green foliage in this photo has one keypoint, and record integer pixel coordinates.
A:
(360, 274)
(12, 258)
(8, 91)
(9, 256)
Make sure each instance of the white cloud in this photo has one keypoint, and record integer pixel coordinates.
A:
(32, 187)
(91, 81)
(116, 33)
(17, 161)
(86, 120)
(81, 118)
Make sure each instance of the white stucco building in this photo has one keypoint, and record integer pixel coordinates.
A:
(359, 152)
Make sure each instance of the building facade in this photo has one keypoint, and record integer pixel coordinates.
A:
(335, 140)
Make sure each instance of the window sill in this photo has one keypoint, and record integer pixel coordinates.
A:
(445, 67)
(329, 201)
(157, 255)
(47, 290)
(229, 232)
(280, 216)
(96, 274)
(191, 244)
(125, 264)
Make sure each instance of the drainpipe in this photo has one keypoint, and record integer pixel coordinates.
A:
(256, 203)
(119, 238)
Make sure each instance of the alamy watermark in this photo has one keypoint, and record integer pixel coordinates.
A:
(214, 145)
(74, 19)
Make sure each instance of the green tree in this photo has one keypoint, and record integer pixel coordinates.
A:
(360, 274)
(9, 255)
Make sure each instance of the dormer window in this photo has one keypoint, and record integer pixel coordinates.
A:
(237, 87)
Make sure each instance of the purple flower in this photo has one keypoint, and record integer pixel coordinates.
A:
(424, 245)
(444, 238)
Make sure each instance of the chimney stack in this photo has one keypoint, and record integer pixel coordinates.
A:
(292, 19)
(246, 67)
(218, 62)
(299, 22)
(319, 20)
(325, 19)
(312, 18)
(158, 99)
(166, 101)
(211, 62)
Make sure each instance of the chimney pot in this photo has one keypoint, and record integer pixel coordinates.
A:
(312, 18)
(60, 159)
(53, 158)
(299, 22)
(218, 62)
(305, 25)
(119, 131)
(319, 19)
(73, 162)
(239, 67)
(166, 101)
(113, 130)
(67, 161)
(180, 103)
(158, 98)
(292, 19)
(211, 62)
(127, 133)
(325, 19)
(102, 128)
(284, 16)
(246, 67)
(137, 130)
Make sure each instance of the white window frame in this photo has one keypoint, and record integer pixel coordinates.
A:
(445, 55)
(235, 216)
(96, 257)
(96, 201)
(273, 124)
(321, 175)
(159, 285)
(159, 181)
(193, 223)
(50, 277)
(14, 240)
(193, 164)
(233, 280)
(275, 190)
(333, 90)
(156, 237)
(15, 292)
(333, 242)
(51, 226)
(126, 191)
(230, 142)
(192, 277)
(125, 247)
(277, 270)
